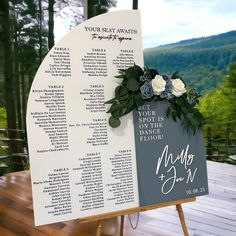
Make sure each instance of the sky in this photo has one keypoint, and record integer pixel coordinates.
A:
(169, 21)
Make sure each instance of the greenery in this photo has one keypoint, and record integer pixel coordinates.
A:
(139, 85)
(208, 64)
(202, 62)
(26, 36)
(218, 106)
(5, 164)
(3, 118)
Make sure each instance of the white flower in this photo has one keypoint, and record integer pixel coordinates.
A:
(178, 87)
(158, 85)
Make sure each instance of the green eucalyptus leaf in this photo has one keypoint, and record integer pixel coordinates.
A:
(124, 102)
(193, 122)
(184, 109)
(130, 72)
(123, 98)
(186, 103)
(137, 71)
(132, 84)
(178, 100)
(116, 110)
(168, 112)
(134, 71)
(178, 112)
(121, 91)
(124, 83)
(194, 130)
(117, 113)
(122, 71)
(114, 122)
(138, 100)
(185, 124)
(199, 116)
(130, 105)
(173, 115)
(175, 75)
(113, 107)
(120, 76)
(111, 101)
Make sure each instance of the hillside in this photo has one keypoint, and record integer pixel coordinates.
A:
(202, 62)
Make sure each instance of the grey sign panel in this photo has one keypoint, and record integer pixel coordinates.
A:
(171, 162)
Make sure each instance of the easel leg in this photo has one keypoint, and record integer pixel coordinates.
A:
(99, 228)
(122, 219)
(181, 217)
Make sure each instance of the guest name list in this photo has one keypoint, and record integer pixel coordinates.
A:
(80, 166)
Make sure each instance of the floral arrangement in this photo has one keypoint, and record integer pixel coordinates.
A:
(139, 85)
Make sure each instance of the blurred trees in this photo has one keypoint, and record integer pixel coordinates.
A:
(97, 7)
(51, 23)
(218, 106)
(24, 46)
(26, 35)
(202, 62)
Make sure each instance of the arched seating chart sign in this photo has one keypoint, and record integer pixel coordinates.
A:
(82, 167)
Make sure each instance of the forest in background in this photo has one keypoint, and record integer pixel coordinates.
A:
(202, 62)
(207, 64)
(218, 107)
(27, 34)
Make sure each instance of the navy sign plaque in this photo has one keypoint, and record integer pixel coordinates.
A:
(171, 162)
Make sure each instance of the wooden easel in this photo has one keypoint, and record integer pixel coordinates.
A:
(177, 203)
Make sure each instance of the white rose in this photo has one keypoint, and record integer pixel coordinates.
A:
(178, 87)
(158, 85)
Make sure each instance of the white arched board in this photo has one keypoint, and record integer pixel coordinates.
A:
(79, 165)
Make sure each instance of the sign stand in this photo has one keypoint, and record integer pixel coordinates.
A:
(90, 170)
(122, 214)
(182, 220)
(122, 221)
(99, 228)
